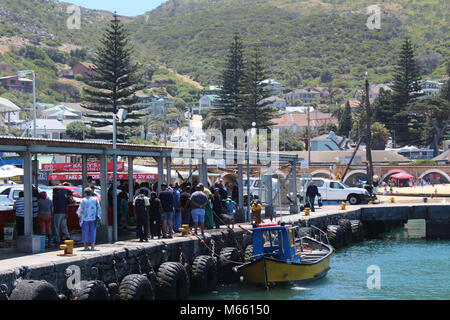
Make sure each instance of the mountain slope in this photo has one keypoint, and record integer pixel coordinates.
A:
(302, 39)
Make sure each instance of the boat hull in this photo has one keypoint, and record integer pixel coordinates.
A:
(278, 271)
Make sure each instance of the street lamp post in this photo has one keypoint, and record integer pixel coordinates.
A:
(248, 171)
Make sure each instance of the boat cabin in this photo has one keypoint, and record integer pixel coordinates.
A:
(275, 241)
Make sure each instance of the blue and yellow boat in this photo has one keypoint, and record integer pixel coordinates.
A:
(278, 257)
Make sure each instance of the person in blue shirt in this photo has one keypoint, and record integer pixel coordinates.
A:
(166, 198)
(90, 215)
(230, 205)
(177, 210)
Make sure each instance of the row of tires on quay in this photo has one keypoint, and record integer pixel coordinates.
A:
(172, 281)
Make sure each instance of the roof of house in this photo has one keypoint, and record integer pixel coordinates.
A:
(87, 64)
(301, 119)
(48, 124)
(274, 99)
(443, 156)
(378, 156)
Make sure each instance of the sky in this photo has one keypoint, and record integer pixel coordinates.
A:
(123, 7)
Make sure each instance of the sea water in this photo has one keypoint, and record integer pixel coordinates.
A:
(399, 265)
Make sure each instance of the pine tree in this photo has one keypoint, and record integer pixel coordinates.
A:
(251, 107)
(230, 83)
(114, 79)
(345, 122)
(406, 84)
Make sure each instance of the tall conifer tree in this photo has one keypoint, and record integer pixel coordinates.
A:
(230, 83)
(253, 91)
(345, 122)
(406, 85)
(114, 80)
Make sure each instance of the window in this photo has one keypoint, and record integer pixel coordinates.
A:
(336, 185)
(318, 183)
(6, 191)
(16, 194)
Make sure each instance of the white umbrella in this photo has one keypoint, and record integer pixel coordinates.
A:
(8, 171)
(7, 106)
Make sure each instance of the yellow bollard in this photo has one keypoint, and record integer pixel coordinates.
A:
(68, 249)
(343, 205)
(370, 202)
(184, 230)
(307, 211)
(392, 200)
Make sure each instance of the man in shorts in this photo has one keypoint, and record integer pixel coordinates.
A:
(198, 203)
(166, 198)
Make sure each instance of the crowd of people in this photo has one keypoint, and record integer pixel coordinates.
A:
(156, 215)
(161, 215)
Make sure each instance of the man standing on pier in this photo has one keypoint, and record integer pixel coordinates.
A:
(311, 194)
(166, 198)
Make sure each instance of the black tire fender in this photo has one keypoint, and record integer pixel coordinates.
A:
(203, 274)
(136, 287)
(172, 282)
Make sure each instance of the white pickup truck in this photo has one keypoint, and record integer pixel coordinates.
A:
(337, 191)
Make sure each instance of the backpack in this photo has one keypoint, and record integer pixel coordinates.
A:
(139, 206)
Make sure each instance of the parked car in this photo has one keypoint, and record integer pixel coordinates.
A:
(338, 191)
(12, 191)
(6, 203)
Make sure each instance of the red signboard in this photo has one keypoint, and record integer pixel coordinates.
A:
(77, 167)
(96, 176)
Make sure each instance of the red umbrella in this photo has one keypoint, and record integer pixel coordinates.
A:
(402, 175)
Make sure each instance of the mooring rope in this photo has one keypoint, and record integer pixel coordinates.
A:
(212, 251)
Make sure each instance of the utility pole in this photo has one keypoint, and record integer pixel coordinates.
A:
(309, 139)
(165, 123)
(368, 136)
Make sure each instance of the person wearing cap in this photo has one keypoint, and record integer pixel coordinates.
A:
(90, 215)
(230, 205)
(45, 216)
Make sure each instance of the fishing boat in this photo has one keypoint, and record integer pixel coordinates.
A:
(278, 257)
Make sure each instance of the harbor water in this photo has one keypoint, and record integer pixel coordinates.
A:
(399, 265)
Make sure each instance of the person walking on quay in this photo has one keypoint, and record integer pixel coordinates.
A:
(185, 206)
(177, 209)
(19, 212)
(166, 198)
(90, 215)
(45, 216)
(230, 206)
(156, 210)
(217, 207)
(141, 211)
(198, 202)
(60, 203)
(311, 192)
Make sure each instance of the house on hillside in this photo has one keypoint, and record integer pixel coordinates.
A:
(329, 142)
(15, 83)
(206, 102)
(298, 122)
(273, 85)
(61, 112)
(83, 68)
(298, 109)
(305, 95)
(430, 88)
(153, 104)
(275, 102)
